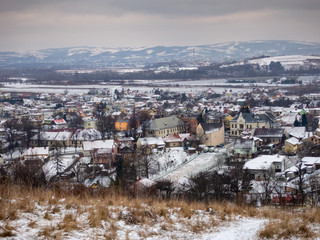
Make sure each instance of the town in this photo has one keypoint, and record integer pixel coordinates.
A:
(257, 144)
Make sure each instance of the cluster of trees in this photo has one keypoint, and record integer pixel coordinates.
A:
(49, 76)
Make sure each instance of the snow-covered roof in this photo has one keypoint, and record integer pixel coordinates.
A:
(152, 141)
(298, 132)
(293, 141)
(147, 182)
(90, 145)
(33, 151)
(63, 136)
(47, 136)
(86, 134)
(173, 138)
(310, 160)
(263, 162)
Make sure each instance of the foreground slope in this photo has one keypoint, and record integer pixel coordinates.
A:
(84, 214)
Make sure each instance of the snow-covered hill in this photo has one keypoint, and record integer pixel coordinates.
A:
(89, 57)
(288, 62)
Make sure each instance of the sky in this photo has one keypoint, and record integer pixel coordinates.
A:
(27, 25)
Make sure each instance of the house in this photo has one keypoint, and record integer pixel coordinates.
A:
(308, 165)
(188, 139)
(59, 123)
(89, 146)
(62, 139)
(162, 127)
(89, 122)
(122, 125)
(297, 132)
(245, 148)
(126, 152)
(101, 151)
(316, 136)
(125, 141)
(35, 156)
(292, 146)
(311, 163)
(173, 140)
(211, 134)
(52, 138)
(81, 135)
(104, 156)
(270, 135)
(265, 165)
(44, 139)
(245, 121)
(152, 142)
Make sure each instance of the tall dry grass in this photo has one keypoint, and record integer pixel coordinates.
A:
(107, 207)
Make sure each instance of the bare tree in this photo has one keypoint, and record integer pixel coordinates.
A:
(57, 158)
(301, 181)
(315, 188)
(11, 135)
(105, 125)
(28, 128)
(268, 184)
(147, 164)
(76, 169)
(27, 175)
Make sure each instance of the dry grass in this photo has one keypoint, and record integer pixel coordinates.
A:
(286, 228)
(47, 216)
(6, 231)
(312, 216)
(68, 223)
(32, 224)
(49, 232)
(106, 209)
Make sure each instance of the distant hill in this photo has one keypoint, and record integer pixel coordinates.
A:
(92, 57)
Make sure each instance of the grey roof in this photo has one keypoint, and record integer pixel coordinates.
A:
(268, 132)
(164, 123)
(209, 127)
(248, 117)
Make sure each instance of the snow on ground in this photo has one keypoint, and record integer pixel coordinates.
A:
(244, 229)
(73, 221)
(16, 154)
(202, 162)
(80, 89)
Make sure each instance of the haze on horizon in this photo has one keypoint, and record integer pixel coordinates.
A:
(38, 24)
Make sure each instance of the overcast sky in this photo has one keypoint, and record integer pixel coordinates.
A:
(38, 24)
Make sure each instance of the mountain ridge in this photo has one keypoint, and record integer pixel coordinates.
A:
(100, 57)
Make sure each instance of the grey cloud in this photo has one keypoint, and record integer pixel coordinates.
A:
(164, 7)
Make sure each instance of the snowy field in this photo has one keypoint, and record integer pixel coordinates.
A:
(64, 220)
(200, 163)
(80, 89)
